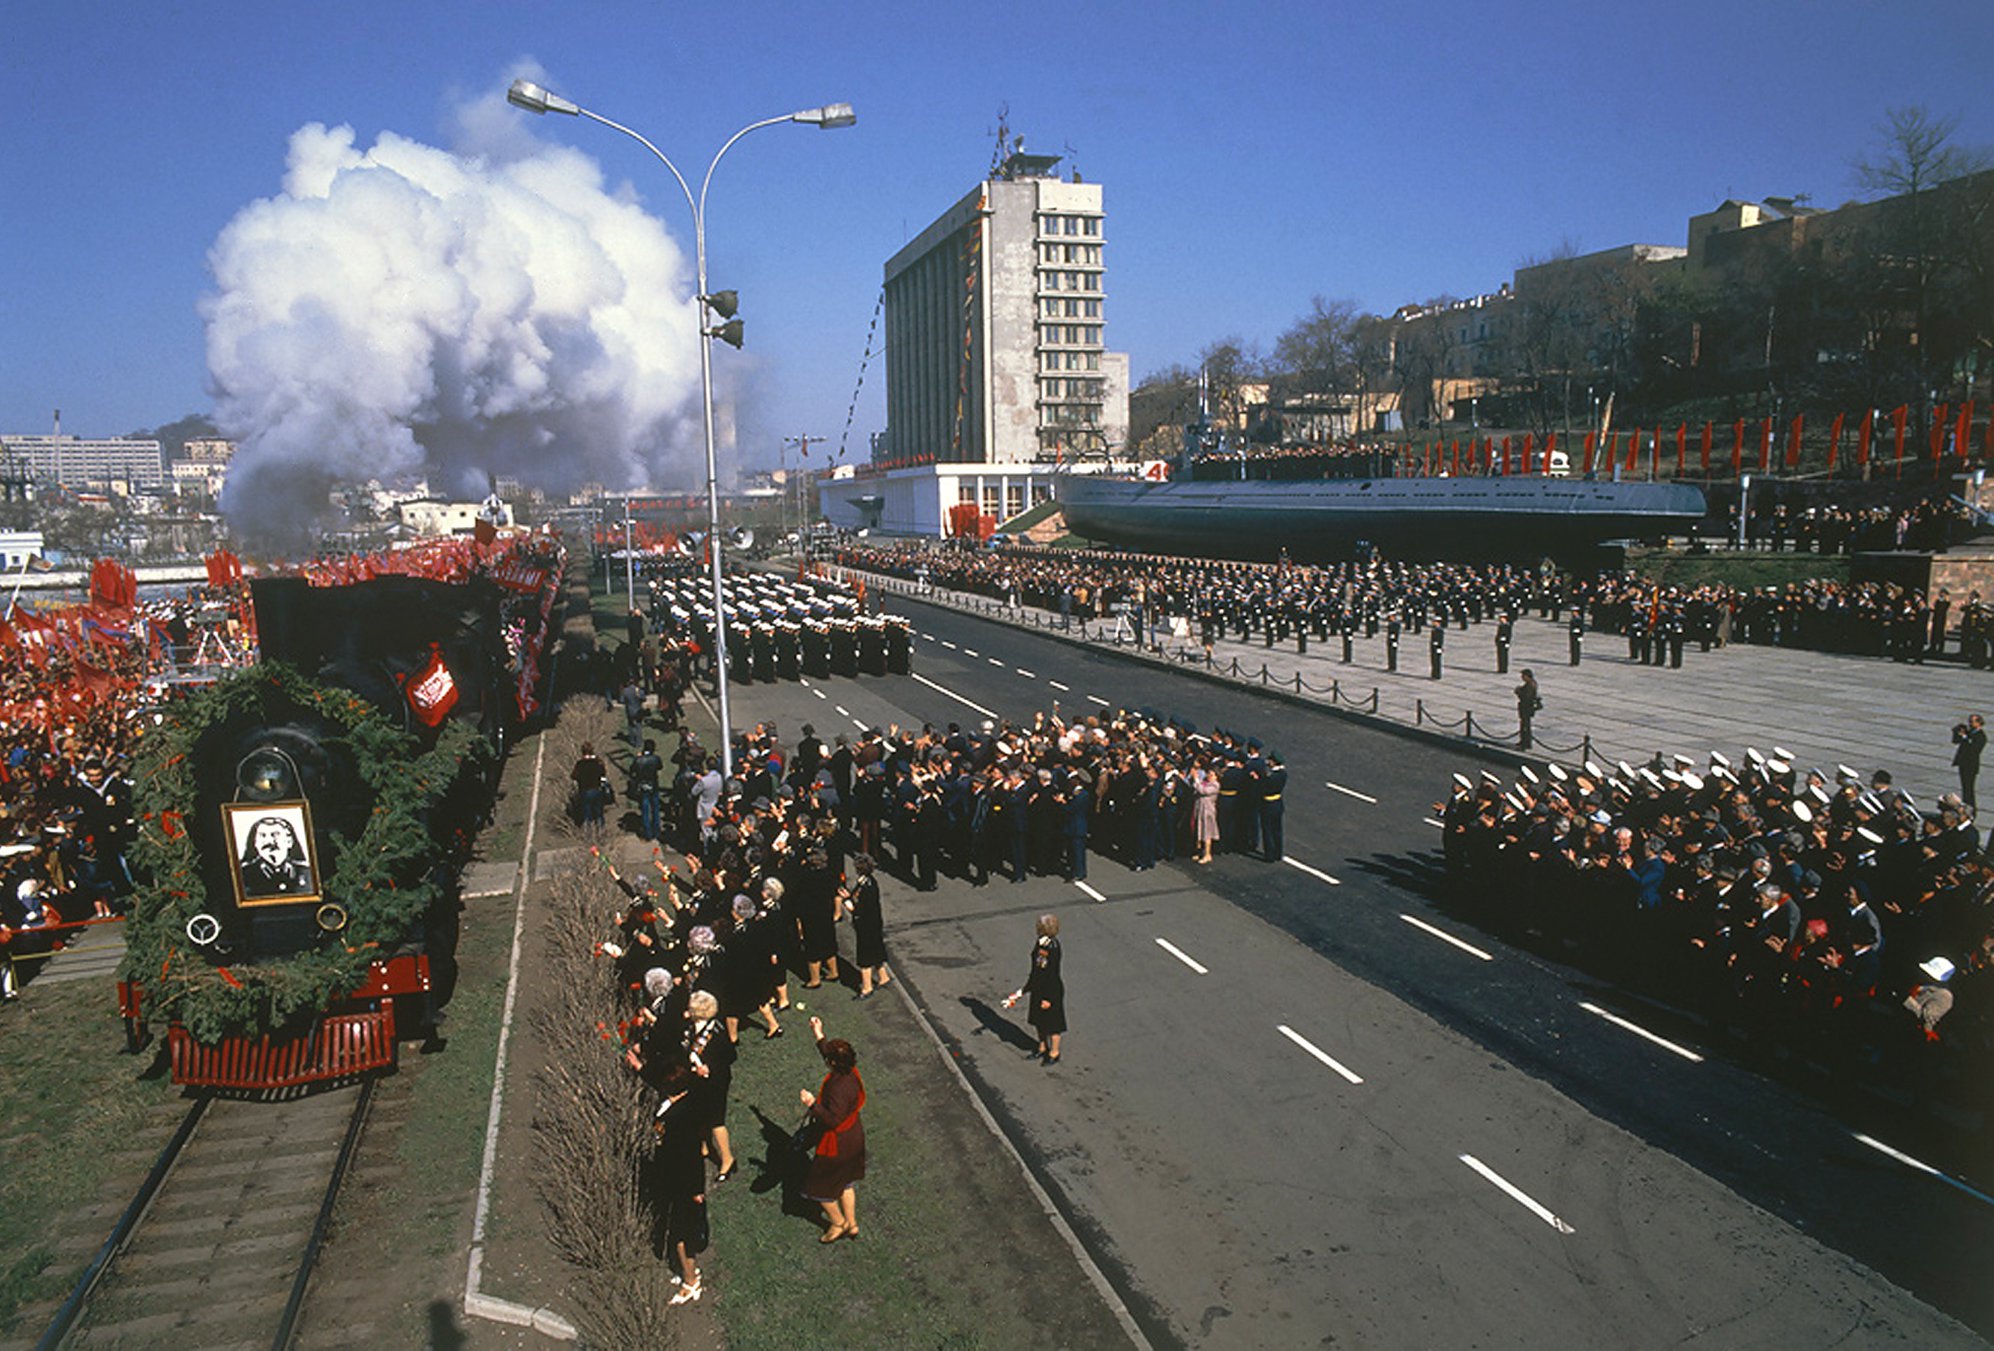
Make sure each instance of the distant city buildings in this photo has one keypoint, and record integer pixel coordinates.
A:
(118, 463)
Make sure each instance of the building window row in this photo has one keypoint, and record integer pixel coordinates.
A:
(1072, 309)
(1071, 361)
(1088, 255)
(1069, 281)
(1054, 390)
(1079, 334)
(1052, 223)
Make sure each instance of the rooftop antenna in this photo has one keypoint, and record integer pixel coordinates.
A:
(1003, 148)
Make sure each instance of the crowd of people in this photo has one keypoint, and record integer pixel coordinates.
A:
(1787, 898)
(1299, 604)
(780, 851)
(77, 684)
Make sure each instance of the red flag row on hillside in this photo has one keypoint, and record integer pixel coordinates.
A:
(1950, 439)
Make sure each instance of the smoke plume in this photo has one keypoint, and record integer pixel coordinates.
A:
(402, 311)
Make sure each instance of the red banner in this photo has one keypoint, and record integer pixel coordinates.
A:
(1793, 436)
(1897, 418)
(1592, 448)
(1765, 447)
(1864, 437)
(1706, 450)
(1834, 441)
(1738, 450)
(1634, 450)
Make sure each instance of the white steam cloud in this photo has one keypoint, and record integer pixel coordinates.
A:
(405, 311)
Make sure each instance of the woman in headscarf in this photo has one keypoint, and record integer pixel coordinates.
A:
(838, 1162)
(1045, 990)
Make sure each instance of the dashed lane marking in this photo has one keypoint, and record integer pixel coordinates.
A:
(1446, 937)
(1641, 1032)
(1090, 891)
(1350, 792)
(1056, 685)
(1181, 956)
(1029, 675)
(1317, 1051)
(1098, 699)
(1312, 872)
(843, 712)
(971, 652)
(1437, 825)
(995, 661)
(1516, 1194)
(945, 690)
(820, 694)
(1924, 1168)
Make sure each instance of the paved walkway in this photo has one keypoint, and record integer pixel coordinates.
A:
(1827, 709)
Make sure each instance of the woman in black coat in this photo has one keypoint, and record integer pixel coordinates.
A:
(868, 925)
(813, 898)
(1045, 990)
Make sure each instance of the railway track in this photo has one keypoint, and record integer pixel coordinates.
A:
(217, 1247)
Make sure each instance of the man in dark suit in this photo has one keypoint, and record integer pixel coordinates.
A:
(1969, 740)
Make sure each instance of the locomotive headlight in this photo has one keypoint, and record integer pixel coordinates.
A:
(268, 775)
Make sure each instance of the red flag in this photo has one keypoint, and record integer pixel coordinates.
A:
(1592, 447)
(1793, 442)
(1634, 450)
(1706, 450)
(1834, 441)
(1456, 452)
(1964, 433)
(1655, 456)
(1505, 455)
(1738, 449)
(1765, 446)
(1529, 453)
(1897, 417)
(1937, 436)
(1863, 439)
(1682, 450)
(1550, 445)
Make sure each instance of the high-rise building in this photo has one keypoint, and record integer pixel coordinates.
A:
(997, 369)
(995, 316)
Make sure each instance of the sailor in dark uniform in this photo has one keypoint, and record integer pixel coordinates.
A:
(1273, 784)
(1577, 633)
(1437, 647)
(1392, 642)
(1505, 632)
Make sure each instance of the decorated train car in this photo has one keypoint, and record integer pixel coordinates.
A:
(302, 822)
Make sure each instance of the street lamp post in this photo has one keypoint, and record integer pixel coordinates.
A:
(536, 99)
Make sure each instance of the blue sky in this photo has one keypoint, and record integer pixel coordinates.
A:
(1253, 154)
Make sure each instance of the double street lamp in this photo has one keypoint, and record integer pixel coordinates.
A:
(536, 99)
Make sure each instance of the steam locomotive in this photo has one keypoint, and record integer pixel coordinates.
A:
(302, 822)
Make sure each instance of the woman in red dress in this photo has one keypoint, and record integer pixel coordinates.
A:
(839, 1161)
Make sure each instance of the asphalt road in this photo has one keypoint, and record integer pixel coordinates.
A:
(1306, 1104)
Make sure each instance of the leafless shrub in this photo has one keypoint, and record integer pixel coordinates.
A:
(591, 1127)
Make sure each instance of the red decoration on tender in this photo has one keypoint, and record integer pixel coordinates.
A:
(432, 692)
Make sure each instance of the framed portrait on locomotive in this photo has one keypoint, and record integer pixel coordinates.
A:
(271, 857)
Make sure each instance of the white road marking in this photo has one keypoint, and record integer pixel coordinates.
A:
(1099, 700)
(1925, 1168)
(1023, 672)
(1178, 953)
(803, 682)
(859, 723)
(971, 652)
(1515, 1194)
(820, 694)
(1445, 937)
(1350, 792)
(1437, 825)
(942, 689)
(949, 645)
(1090, 891)
(843, 712)
(1316, 1051)
(929, 636)
(1056, 685)
(1312, 872)
(994, 661)
(1642, 1032)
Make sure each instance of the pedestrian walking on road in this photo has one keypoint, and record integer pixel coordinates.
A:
(1045, 990)
(837, 1163)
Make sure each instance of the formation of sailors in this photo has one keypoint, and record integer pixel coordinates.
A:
(779, 629)
(1755, 887)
